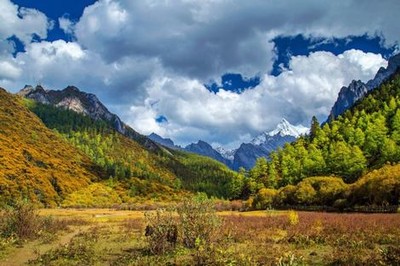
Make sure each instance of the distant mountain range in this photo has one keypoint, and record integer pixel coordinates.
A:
(261, 146)
(246, 155)
(265, 143)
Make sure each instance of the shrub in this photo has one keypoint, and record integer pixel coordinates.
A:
(305, 193)
(22, 220)
(264, 198)
(286, 195)
(198, 220)
(391, 255)
(161, 231)
(290, 259)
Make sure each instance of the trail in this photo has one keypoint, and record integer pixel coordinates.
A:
(22, 255)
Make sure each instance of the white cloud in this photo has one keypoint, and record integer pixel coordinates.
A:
(308, 88)
(23, 23)
(9, 70)
(149, 58)
(66, 24)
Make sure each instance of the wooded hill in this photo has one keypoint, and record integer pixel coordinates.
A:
(66, 158)
(364, 138)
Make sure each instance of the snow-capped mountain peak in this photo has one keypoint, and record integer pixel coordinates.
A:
(284, 128)
(226, 153)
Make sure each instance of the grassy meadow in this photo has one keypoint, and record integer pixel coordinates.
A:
(115, 237)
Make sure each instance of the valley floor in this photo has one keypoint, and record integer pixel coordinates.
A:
(110, 237)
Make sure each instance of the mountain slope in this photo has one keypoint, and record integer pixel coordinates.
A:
(162, 141)
(205, 149)
(88, 104)
(357, 89)
(35, 162)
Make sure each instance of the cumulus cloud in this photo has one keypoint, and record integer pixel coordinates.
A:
(203, 39)
(150, 58)
(308, 87)
(24, 23)
(21, 23)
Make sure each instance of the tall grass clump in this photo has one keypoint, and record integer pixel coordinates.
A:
(21, 221)
(293, 217)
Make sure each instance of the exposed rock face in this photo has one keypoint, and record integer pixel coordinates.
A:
(84, 103)
(228, 154)
(349, 95)
(247, 154)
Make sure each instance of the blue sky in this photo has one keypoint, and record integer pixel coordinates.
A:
(221, 71)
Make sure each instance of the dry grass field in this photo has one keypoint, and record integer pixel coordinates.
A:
(111, 237)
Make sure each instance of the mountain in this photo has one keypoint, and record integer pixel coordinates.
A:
(133, 171)
(357, 89)
(36, 163)
(247, 154)
(205, 149)
(283, 129)
(265, 143)
(72, 98)
(200, 148)
(163, 141)
(226, 153)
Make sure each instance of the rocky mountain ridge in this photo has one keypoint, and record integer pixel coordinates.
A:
(356, 90)
(85, 103)
(246, 155)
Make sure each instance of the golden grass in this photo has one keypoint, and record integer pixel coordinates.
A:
(95, 215)
(250, 238)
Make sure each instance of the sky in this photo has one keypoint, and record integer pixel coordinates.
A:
(222, 71)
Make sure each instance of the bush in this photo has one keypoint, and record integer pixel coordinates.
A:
(265, 198)
(198, 221)
(22, 221)
(293, 217)
(161, 231)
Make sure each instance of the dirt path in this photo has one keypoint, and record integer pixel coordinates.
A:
(21, 256)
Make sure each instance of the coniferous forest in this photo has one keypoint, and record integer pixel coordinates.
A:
(348, 161)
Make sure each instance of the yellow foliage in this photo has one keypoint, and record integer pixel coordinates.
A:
(35, 163)
(293, 217)
(94, 195)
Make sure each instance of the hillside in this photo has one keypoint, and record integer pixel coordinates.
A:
(135, 171)
(364, 138)
(35, 162)
(88, 104)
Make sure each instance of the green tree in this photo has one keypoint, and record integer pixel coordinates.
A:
(315, 127)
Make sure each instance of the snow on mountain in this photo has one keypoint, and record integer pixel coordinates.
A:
(226, 153)
(265, 143)
(284, 128)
